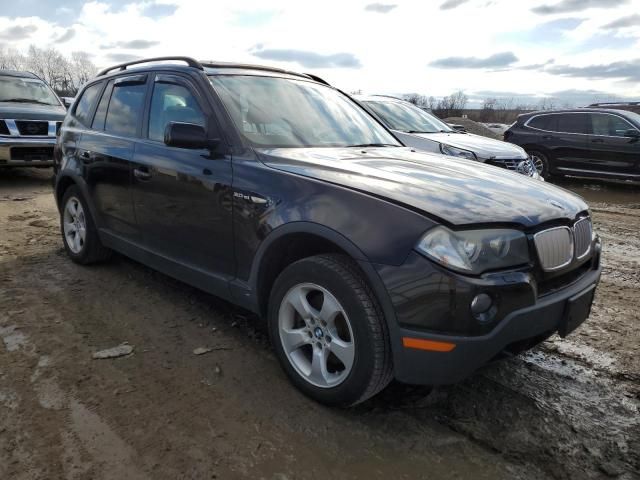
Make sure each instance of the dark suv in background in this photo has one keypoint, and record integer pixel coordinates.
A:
(585, 142)
(30, 113)
(281, 194)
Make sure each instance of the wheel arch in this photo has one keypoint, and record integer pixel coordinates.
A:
(64, 182)
(297, 240)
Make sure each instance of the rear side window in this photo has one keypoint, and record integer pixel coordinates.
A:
(573, 123)
(544, 122)
(125, 109)
(84, 107)
(172, 103)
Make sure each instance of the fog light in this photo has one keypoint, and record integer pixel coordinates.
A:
(481, 304)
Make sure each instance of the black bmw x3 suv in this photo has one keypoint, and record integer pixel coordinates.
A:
(279, 193)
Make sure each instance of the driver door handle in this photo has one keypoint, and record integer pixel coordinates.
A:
(142, 173)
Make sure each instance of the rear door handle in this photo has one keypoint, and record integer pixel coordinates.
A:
(597, 140)
(548, 137)
(142, 173)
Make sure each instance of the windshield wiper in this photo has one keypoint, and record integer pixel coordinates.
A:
(418, 131)
(25, 100)
(362, 145)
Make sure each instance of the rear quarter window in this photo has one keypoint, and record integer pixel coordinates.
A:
(86, 103)
(544, 122)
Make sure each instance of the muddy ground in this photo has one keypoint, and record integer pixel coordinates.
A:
(569, 409)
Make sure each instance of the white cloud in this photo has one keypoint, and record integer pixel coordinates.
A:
(394, 51)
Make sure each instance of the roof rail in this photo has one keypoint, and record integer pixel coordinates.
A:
(317, 78)
(600, 104)
(123, 66)
(249, 66)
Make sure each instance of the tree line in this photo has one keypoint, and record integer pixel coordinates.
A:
(65, 74)
(493, 110)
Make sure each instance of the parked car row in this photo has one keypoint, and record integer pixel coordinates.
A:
(369, 260)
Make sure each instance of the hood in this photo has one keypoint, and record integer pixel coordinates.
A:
(32, 111)
(457, 191)
(483, 147)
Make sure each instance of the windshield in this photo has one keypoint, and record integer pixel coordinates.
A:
(281, 112)
(407, 118)
(26, 90)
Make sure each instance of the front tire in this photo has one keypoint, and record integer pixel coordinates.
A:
(542, 163)
(328, 331)
(79, 233)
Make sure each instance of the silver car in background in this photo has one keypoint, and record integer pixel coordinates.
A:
(421, 130)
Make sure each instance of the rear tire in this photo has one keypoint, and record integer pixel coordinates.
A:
(328, 331)
(79, 233)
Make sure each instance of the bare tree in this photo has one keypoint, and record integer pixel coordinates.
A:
(65, 75)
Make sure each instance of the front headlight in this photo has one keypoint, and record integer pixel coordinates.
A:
(457, 152)
(475, 251)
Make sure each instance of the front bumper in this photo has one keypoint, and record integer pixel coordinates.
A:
(26, 152)
(527, 318)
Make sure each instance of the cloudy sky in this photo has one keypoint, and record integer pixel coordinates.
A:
(575, 50)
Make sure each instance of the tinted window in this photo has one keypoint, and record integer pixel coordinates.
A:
(101, 112)
(544, 122)
(172, 103)
(125, 109)
(84, 107)
(573, 123)
(609, 125)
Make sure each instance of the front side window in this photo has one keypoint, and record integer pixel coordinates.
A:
(26, 90)
(609, 125)
(172, 103)
(573, 123)
(125, 108)
(407, 118)
(282, 112)
(84, 107)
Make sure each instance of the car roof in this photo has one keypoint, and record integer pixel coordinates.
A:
(16, 73)
(209, 67)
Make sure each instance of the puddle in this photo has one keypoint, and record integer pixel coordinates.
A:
(600, 191)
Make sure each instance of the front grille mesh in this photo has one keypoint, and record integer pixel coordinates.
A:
(31, 128)
(519, 165)
(583, 234)
(558, 246)
(555, 248)
(4, 130)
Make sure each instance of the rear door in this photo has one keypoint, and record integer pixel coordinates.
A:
(182, 197)
(611, 150)
(107, 151)
(567, 139)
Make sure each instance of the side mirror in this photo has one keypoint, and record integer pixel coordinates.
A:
(67, 102)
(632, 133)
(186, 135)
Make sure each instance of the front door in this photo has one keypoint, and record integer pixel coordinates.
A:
(181, 196)
(612, 150)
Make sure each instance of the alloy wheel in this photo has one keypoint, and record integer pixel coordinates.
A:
(316, 335)
(75, 225)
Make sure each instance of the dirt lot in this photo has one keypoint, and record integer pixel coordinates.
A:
(569, 409)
